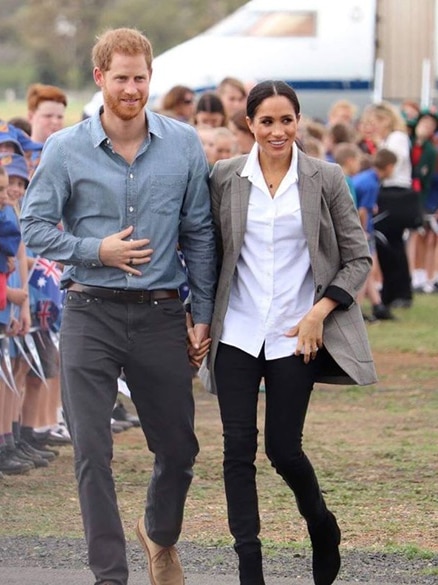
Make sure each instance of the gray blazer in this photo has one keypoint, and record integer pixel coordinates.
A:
(338, 251)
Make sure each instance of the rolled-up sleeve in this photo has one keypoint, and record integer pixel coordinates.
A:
(42, 210)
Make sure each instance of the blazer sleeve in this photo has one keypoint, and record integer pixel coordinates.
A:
(355, 259)
(216, 192)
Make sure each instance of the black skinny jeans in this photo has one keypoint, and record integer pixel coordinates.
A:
(288, 383)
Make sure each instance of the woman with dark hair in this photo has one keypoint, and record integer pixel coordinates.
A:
(293, 257)
(210, 111)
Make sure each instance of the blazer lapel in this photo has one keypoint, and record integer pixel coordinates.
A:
(240, 191)
(310, 193)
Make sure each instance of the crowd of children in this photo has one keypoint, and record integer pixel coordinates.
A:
(404, 244)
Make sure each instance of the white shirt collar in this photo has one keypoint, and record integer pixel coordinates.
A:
(252, 166)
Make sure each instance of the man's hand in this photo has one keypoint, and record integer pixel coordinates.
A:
(118, 252)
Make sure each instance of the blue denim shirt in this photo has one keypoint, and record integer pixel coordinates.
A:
(94, 192)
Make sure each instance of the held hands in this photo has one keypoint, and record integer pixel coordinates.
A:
(118, 252)
(198, 341)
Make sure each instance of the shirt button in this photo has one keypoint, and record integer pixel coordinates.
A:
(131, 176)
(131, 209)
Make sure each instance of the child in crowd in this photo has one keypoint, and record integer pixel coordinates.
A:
(243, 135)
(9, 236)
(367, 186)
(337, 134)
(348, 156)
(205, 134)
(10, 241)
(210, 111)
(224, 144)
(313, 147)
(17, 292)
(232, 92)
(422, 242)
(342, 112)
(16, 168)
(8, 143)
(15, 140)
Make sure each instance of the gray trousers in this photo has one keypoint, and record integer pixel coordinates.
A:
(98, 339)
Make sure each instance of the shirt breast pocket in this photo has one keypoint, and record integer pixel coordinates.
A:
(167, 193)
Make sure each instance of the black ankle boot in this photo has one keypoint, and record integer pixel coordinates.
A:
(250, 569)
(326, 560)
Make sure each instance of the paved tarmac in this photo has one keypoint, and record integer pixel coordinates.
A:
(38, 576)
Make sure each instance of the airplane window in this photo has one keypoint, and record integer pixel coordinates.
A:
(284, 24)
(267, 24)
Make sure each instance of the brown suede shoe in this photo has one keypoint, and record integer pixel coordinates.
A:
(163, 561)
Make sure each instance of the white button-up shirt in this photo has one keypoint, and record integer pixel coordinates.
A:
(272, 287)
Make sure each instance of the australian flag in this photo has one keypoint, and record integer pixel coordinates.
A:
(44, 282)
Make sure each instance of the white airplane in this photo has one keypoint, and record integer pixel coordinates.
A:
(325, 49)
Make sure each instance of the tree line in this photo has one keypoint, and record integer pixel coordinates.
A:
(50, 41)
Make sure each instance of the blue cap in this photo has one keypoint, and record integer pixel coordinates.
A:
(6, 137)
(21, 141)
(15, 165)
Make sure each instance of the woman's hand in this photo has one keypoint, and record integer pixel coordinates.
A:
(309, 332)
(310, 329)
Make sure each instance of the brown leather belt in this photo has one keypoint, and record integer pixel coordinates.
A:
(123, 295)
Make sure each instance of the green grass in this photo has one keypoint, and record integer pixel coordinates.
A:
(411, 552)
(415, 330)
